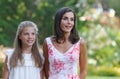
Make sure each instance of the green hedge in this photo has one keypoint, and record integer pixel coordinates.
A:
(1, 68)
(104, 71)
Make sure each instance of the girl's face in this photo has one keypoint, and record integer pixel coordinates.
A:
(67, 22)
(28, 36)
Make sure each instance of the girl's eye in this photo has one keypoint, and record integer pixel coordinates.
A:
(26, 34)
(33, 33)
(29, 33)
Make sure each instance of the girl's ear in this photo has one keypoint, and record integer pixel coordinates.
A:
(19, 36)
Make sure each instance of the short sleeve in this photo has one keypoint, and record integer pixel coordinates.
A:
(9, 53)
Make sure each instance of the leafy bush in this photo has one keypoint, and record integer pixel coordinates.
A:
(103, 71)
(103, 42)
(1, 68)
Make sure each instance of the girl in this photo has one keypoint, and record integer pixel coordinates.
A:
(64, 50)
(25, 61)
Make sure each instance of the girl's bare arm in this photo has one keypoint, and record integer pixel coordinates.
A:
(5, 70)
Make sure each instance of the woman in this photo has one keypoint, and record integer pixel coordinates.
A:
(65, 50)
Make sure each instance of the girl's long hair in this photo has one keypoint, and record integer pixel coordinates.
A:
(17, 53)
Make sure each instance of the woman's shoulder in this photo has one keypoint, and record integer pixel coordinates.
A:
(50, 37)
(82, 41)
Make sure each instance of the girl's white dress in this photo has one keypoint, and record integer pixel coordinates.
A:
(26, 71)
(63, 66)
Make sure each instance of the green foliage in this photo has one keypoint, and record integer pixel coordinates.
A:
(47, 10)
(115, 6)
(41, 12)
(103, 38)
(9, 18)
(100, 31)
(1, 68)
(103, 71)
(101, 77)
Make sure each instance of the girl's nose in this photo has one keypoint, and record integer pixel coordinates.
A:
(30, 35)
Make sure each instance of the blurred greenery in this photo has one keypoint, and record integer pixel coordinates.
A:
(100, 27)
(1, 68)
(100, 77)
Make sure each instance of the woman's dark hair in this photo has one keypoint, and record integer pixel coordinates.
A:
(58, 33)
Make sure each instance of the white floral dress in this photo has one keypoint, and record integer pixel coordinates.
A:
(63, 66)
(26, 71)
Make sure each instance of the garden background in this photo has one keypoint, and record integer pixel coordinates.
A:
(98, 21)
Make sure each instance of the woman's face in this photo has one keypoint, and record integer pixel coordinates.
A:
(67, 22)
(28, 36)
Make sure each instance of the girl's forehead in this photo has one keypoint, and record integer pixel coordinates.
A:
(29, 29)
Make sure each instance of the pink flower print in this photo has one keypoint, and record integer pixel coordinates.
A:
(73, 55)
(76, 48)
(71, 52)
(58, 65)
(71, 59)
(70, 55)
(73, 76)
(71, 69)
(50, 51)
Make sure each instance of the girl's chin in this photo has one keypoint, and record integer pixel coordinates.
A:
(29, 45)
(67, 31)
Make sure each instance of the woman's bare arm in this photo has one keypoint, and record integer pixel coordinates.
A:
(46, 63)
(83, 59)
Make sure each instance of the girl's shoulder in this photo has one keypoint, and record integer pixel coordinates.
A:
(42, 57)
(9, 52)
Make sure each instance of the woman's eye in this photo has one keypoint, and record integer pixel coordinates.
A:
(72, 19)
(64, 18)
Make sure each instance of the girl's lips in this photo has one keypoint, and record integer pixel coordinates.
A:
(30, 41)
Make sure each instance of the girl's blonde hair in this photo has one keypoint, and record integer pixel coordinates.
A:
(17, 53)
